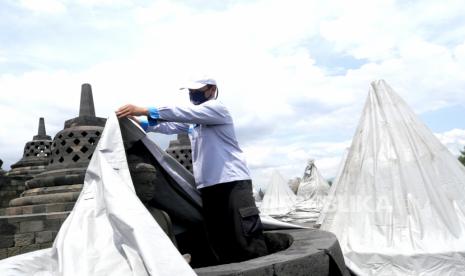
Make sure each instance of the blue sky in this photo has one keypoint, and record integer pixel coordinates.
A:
(295, 74)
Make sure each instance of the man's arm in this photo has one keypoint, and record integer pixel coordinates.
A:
(209, 113)
(164, 127)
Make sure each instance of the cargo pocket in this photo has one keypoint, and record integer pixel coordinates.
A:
(250, 221)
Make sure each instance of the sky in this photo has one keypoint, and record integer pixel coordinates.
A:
(294, 74)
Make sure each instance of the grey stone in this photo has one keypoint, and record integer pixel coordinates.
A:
(87, 101)
(41, 133)
(3, 253)
(181, 150)
(45, 236)
(31, 226)
(13, 251)
(24, 239)
(46, 245)
(312, 252)
(54, 207)
(7, 228)
(68, 156)
(53, 224)
(7, 241)
(29, 248)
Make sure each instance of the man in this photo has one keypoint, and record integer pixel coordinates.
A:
(220, 171)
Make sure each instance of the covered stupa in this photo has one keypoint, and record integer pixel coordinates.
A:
(279, 199)
(57, 188)
(398, 207)
(311, 194)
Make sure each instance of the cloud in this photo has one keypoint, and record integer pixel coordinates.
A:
(454, 140)
(44, 6)
(294, 75)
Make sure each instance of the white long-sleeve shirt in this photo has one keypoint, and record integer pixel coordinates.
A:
(216, 155)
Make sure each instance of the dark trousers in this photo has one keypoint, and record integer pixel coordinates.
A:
(232, 220)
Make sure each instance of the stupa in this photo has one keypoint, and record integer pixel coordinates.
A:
(57, 188)
(35, 158)
(181, 150)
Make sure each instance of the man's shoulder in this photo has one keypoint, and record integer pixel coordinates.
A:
(215, 103)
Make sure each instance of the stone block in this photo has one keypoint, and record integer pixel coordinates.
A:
(13, 251)
(61, 215)
(27, 209)
(29, 248)
(45, 236)
(31, 226)
(14, 211)
(57, 207)
(53, 224)
(24, 239)
(3, 253)
(7, 241)
(7, 228)
(26, 217)
(46, 245)
(37, 209)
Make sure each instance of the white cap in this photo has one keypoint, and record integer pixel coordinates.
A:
(199, 83)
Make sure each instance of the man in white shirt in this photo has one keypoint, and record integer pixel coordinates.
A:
(220, 171)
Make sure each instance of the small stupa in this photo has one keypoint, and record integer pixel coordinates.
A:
(181, 150)
(57, 188)
(36, 156)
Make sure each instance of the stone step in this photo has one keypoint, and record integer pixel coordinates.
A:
(40, 208)
(52, 190)
(45, 199)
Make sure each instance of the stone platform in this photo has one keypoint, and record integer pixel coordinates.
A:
(25, 233)
(308, 252)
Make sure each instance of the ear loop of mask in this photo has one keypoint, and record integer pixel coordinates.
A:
(217, 92)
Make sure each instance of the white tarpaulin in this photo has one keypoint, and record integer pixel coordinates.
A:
(399, 206)
(109, 231)
(311, 195)
(279, 199)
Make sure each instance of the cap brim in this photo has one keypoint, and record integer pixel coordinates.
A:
(193, 85)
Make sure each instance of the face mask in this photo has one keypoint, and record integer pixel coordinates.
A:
(197, 97)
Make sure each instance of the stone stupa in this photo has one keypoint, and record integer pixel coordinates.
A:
(181, 150)
(57, 188)
(36, 156)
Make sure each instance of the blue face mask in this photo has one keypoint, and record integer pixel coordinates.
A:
(197, 97)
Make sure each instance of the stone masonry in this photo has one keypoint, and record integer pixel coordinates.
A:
(34, 218)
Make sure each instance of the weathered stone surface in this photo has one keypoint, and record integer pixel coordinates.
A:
(45, 236)
(3, 253)
(7, 241)
(7, 228)
(309, 254)
(41, 229)
(36, 152)
(46, 245)
(181, 150)
(53, 224)
(13, 251)
(29, 248)
(57, 188)
(31, 226)
(24, 239)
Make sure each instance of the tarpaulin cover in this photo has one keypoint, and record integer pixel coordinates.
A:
(399, 205)
(311, 195)
(109, 231)
(279, 199)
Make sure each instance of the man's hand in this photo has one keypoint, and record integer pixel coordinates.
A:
(131, 110)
